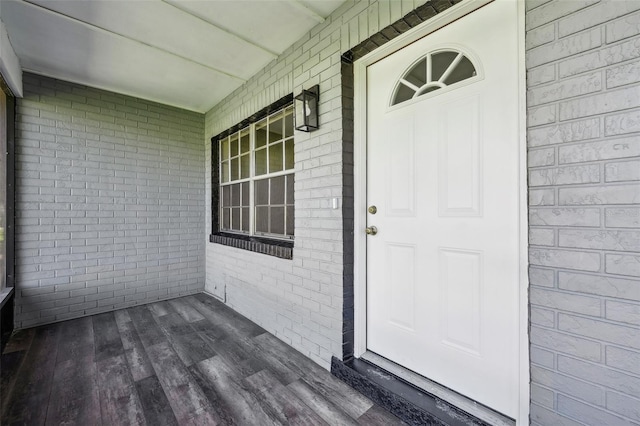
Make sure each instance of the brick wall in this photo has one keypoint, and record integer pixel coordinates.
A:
(583, 61)
(300, 300)
(109, 201)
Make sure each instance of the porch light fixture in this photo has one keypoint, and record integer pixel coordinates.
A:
(306, 106)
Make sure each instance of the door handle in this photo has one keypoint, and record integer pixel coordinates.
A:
(371, 230)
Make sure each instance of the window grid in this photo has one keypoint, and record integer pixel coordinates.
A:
(436, 70)
(256, 178)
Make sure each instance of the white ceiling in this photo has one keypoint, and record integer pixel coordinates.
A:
(185, 53)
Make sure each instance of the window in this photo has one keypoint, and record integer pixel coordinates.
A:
(434, 71)
(256, 178)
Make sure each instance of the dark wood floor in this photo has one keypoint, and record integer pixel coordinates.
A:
(186, 361)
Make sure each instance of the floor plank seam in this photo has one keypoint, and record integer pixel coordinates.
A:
(190, 360)
(55, 363)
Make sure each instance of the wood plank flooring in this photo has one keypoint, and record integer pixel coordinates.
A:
(187, 361)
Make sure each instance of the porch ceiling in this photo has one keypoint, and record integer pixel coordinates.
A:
(185, 53)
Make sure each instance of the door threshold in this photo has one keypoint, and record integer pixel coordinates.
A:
(468, 405)
(411, 397)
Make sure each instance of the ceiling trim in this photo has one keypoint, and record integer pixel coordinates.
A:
(307, 11)
(115, 34)
(109, 89)
(176, 5)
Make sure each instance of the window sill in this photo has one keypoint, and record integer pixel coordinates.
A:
(270, 247)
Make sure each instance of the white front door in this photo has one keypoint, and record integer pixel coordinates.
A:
(442, 172)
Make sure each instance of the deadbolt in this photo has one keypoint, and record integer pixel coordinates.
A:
(371, 230)
(373, 209)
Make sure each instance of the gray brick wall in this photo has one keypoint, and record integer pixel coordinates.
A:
(110, 201)
(300, 300)
(583, 80)
(112, 209)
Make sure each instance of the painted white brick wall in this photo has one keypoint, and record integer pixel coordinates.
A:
(300, 300)
(109, 202)
(583, 79)
(112, 209)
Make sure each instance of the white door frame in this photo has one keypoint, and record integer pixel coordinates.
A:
(360, 185)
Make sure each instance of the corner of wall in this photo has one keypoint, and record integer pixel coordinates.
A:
(9, 63)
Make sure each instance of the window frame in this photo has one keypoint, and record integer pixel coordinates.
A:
(279, 246)
(7, 294)
(286, 146)
(9, 185)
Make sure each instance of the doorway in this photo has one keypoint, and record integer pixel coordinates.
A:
(440, 276)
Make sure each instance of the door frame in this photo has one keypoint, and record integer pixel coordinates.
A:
(360, 185)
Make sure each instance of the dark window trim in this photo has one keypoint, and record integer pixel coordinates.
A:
(270, 246)
(7, 295)
(283, 102)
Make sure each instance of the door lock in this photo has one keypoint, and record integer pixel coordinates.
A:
(372, 209)
(371, 230)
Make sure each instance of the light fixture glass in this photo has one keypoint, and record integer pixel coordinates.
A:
(306, 109)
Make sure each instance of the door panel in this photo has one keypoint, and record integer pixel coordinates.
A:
(442, 169)
(460, 178)
(402, 261)
(400, 187)
(460, 287)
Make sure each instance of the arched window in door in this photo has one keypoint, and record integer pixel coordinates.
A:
(436, 70)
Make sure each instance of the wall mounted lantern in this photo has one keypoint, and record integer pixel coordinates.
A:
(307, 109)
